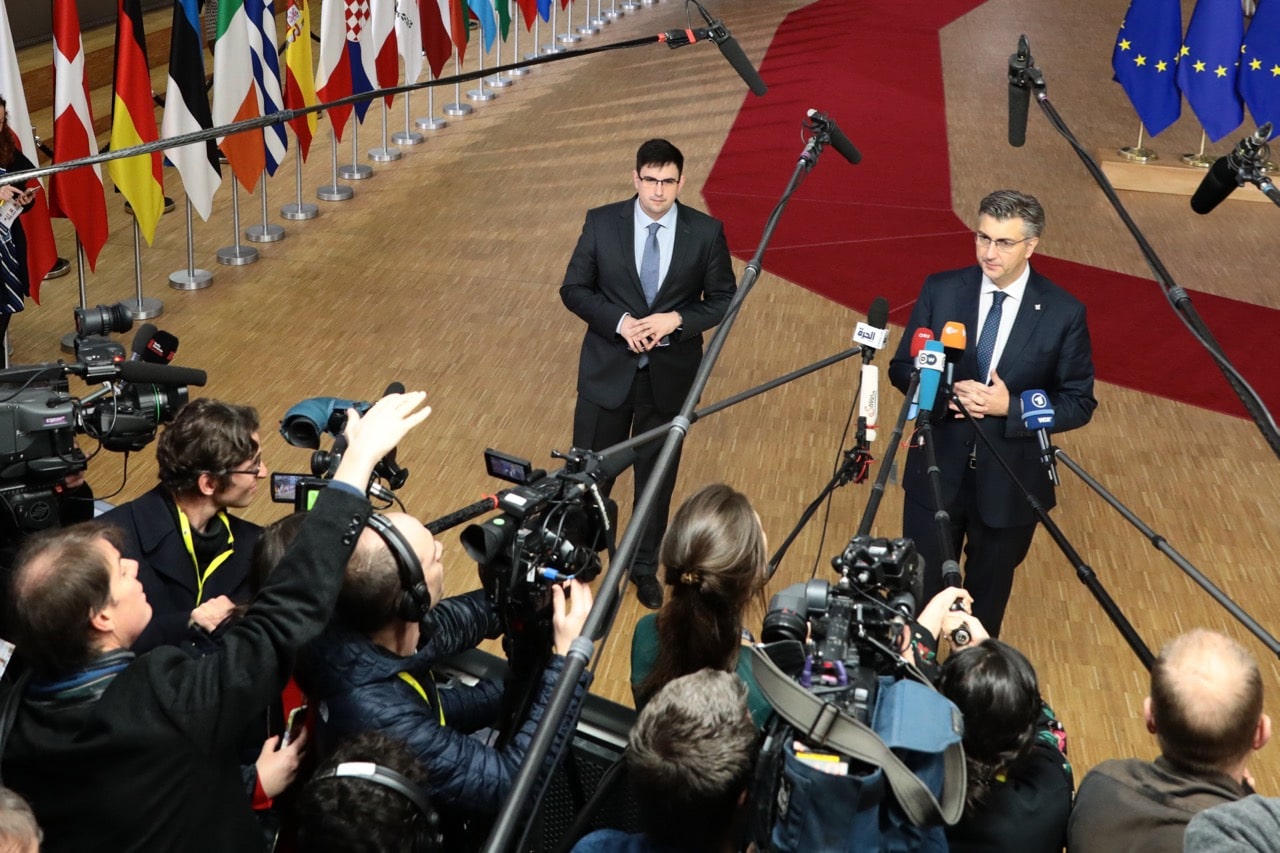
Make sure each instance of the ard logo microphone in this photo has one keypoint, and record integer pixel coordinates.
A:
(1037, 417)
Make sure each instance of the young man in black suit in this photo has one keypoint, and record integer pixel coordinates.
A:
(1038, 340)
(648, 276)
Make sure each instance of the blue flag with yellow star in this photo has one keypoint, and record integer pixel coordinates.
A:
(1209, 64)
(1259, 81)
(1145, 57)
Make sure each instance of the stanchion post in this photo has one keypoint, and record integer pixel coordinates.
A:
(190, 278)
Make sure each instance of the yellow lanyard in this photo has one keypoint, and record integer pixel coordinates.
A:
(185, 525)
(413, 682)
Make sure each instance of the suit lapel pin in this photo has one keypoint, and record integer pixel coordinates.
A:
(1037, 306)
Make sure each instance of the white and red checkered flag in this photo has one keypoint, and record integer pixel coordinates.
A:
(346, 60)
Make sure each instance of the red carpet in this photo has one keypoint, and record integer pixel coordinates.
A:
(877, 229)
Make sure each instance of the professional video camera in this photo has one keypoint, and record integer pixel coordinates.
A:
(850, 628)
(39, 418)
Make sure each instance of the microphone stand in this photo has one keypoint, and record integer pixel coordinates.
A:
(950, 567)
(1083, 571)
(604, 607)
(1162, 545)
(895, 439)
(1178, 298)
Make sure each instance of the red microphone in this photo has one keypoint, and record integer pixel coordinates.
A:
(918, 340)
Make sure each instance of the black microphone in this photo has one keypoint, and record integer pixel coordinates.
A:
(873, 334)
(162, 347)
(1019, 93)
(138, 351)
(387, 467)
(679, 38)
(161, 374)
(729, 49)
(1229, 172)
(839, 141)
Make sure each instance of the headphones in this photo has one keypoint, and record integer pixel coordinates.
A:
(415, 599)
(425, 826)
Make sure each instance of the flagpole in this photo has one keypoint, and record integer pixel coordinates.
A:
(267, 232)
(599, 20)
(568, 36)
(69, 339)
(497, 81)
(1137, 153)
(613, 14)
(357, 171)
(515, 41)
(334, 191)
(536, 20)
(298, 210)
(385, 154)
(457, 108)
(482, 94)
(190, 278)
(1200, 161)
(430, 122)
(552, 47)
(588, 27)
(630, 6)
(142, 308)
(236, 255)
(408, 136)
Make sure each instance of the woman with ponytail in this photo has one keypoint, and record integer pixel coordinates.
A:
(713, 561)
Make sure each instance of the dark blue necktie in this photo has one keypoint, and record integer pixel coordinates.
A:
(987, 339)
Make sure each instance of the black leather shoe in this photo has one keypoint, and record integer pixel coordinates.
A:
(648, 591)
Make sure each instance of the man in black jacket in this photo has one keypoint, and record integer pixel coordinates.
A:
(371, 670)
(123, 753)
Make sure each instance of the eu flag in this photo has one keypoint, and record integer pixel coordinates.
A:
(1144, 59)
(1208, 65)
(1260, 64)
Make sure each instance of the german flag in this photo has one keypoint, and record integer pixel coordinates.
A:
(133, 122)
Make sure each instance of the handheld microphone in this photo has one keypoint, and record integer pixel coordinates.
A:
(161, 348)
(839, 141)
(930, 363)
(1037, 417)
(387, 468)
(1230, 171)
(869, 399)
(872, 335)
(918, 340)
(1019, 93)
(138, 350)
(954, 340)
(145, 373)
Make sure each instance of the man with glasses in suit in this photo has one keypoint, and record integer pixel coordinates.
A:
(1024, 333)
(193, 554)
(649, 275)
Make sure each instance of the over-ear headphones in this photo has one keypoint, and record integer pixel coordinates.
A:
(415, 599)
(425, 827)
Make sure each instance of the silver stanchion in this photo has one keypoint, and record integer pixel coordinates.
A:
(515, 42)
(599, 20)
(458, 108)
(355, 171)
(630, 6)
(142, 308)
(497, 81)
(386, 153)
(190, 278)
(430, 122)
(588, 27)
(267, 232)
(298, 210)
(408, 136)
(568, 36)
(481, 94)
(613, 13)
(334, 191)
(236, 255)
(68, 342)
(553, 47)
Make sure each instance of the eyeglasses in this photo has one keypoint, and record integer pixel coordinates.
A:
(256, 467)
(651, 181)
(1002, 245)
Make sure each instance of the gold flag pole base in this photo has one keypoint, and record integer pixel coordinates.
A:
(1138, 154)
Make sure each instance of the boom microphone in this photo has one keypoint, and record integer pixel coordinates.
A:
(144, 373)
(1019, 93)
(872, 335)
(729, 49)
(869, 398)
(1037, 417)
(1229, 172)
(839, 141)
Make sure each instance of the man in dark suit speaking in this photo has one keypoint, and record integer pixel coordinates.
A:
(1024, 333)
(648, 276)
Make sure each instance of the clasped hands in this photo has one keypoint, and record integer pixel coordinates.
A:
(982, 400)
(643, 334)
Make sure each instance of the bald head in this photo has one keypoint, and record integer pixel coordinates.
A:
(372, 584)
(1206, 701)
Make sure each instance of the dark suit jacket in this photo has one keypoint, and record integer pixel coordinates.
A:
(165, 569)
(601, 284)
(1048, 349)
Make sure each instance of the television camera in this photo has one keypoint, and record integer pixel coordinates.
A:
(39, 417)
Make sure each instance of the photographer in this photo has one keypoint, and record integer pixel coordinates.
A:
(121, 752)
(1019, 780)
(371, 670)
(193, 554)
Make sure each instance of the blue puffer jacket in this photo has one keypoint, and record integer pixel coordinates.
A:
(355, 686)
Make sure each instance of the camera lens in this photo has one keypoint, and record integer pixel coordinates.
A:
(159, 403)
(103, 319)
